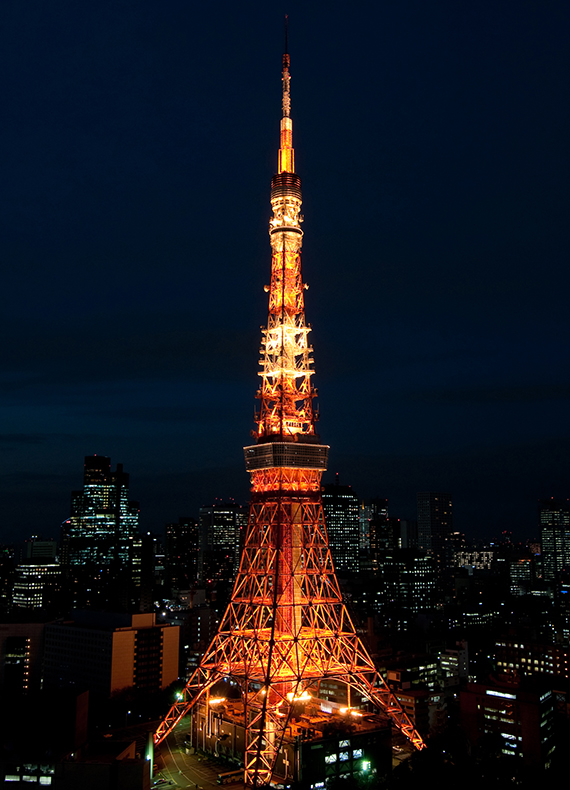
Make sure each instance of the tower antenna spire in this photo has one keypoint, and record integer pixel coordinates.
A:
(286, 77)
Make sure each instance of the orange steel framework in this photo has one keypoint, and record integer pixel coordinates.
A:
(285, 628)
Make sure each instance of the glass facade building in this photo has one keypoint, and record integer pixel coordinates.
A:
(342, 517)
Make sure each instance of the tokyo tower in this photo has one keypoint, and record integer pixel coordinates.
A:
(286, 628)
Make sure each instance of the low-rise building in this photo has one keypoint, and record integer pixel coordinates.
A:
(21, 650)
(109, 652)
(522, 717)
(522, 657)
(318, 747)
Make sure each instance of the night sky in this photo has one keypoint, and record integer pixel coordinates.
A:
(138, 140)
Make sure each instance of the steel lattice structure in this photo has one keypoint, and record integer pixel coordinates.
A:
(286, 627)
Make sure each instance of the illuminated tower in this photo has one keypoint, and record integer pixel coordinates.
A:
(286, 628)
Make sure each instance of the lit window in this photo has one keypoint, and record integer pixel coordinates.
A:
(330, 758)
(343, 756)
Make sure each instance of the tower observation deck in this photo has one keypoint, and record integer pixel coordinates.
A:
(286, 628)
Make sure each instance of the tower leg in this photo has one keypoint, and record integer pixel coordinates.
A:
(266, 726)
(263, 736)
(199, 685)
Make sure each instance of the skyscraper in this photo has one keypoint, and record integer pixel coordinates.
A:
(435, 528)
(102, 531)
(221, 529)
(181, 553)
(554, 523)
(342, 516)
(373, 516)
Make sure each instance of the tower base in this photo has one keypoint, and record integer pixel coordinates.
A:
(322, 743)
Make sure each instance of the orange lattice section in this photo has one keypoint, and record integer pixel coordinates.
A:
(282, 479)
(286, 627)
(286, 393)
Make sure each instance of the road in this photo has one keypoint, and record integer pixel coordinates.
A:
(187, 770)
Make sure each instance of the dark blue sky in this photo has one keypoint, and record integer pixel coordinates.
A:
(137, 145)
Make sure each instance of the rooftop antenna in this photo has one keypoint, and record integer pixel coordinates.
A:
(286, 78)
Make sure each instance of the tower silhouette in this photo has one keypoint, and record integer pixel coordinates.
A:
(286, 627)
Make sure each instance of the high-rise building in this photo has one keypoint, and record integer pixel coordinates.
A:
(181, 548)
(435, 530)
(286, 627)
(103, 524)
(7, 571)
(435, 521)
(409, 533)
(405, 586)
(386, 534)
(554, 523)
(454, 664)
(221, 529)
(35, 548)
(342, 515)
(37, 581)
(369, 515)
(101, 539)
(521, 574)
(37, 585)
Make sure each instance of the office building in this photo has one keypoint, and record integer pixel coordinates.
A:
(435, 522)
(37, 585)
(521, 717)
(409, 533)
(454, 664)
(103, 526)
(435, 533)
(181, 551)
(370, 513)
(222, 526)
(475, 559)
(525, 657)
(405, 585)
(21, 651)
(521, 575)
(6, 577)
(341, 508)
(554, 523)
(35, 548)
(101, 545)
(106, 652)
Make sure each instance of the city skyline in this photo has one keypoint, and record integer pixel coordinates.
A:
(436, 248)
